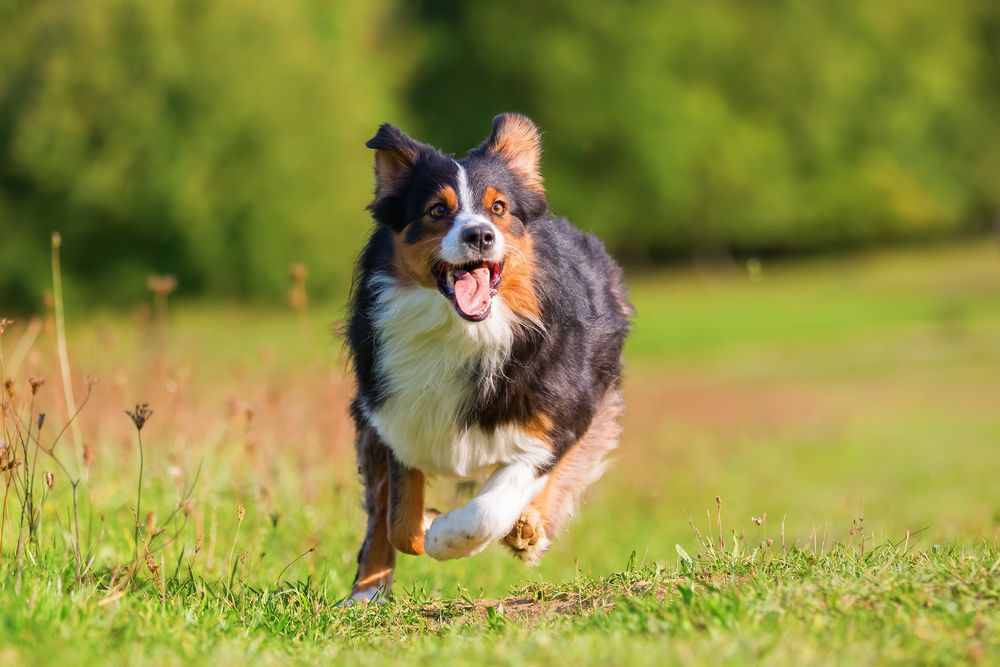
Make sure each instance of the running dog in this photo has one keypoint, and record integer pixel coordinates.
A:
(485, 337)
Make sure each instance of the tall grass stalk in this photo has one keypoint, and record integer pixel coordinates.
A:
(240, 513)
(139, 417)
(4, 323)
(138, 497)
(67, 381)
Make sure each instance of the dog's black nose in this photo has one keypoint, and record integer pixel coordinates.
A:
(478, 237)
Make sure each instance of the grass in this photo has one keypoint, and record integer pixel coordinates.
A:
(844, 411)
(884, 606)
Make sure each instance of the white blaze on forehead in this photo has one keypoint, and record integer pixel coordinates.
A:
(452, 248)
(464, 192)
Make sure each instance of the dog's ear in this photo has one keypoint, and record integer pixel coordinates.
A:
(516, 139)
(395, 156)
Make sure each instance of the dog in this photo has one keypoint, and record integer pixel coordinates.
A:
(485, 336)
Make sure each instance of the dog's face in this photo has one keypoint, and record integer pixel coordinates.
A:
(463, 227)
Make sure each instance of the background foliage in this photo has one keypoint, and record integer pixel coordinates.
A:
(222, 141)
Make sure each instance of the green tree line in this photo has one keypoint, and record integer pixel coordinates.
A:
(223, 141)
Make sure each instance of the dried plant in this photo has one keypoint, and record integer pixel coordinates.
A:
(23, 433)
(74, 480)
(140, 415)
(28, 435)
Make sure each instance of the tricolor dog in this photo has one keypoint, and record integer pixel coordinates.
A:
(486, 337)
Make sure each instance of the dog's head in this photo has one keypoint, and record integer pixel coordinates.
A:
(463, 227)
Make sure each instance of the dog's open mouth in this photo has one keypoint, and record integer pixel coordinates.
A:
(470, 287)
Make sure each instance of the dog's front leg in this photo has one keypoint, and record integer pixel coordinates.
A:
(377, 558)
(487, 517)
(408, 521)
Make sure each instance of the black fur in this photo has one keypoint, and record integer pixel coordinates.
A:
(373, 458)
(564, 370)
(561, 370)
(422, 169)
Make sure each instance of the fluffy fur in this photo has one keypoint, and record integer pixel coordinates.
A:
(424, 355)
(485, 336)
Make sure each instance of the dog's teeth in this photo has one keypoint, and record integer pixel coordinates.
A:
(451, 280)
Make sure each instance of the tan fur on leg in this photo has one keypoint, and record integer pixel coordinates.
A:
(580, 467)
(377, 558)
(406, 509)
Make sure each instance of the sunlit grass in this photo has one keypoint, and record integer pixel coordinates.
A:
(848, 400)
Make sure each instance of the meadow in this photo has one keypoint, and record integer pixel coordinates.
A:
(807, 476)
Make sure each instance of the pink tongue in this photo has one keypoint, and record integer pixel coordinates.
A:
(472, 290)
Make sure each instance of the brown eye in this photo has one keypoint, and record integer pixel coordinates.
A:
(438, 211)
(499, 208)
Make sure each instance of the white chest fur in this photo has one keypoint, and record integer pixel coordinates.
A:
(427, 355)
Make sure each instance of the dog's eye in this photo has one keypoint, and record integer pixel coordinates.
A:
(499, 208)
(438, 211)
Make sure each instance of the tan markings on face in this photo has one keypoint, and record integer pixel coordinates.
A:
(497, 204)
(491, 196)
(449, 198)
(413, 261)
(415, 257)
(518, 289)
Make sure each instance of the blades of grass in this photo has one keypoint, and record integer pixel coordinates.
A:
(63, 349)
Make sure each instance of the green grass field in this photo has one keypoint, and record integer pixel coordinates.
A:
(845, 412)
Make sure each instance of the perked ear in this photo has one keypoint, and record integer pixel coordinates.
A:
(395, 156)
(517, 140)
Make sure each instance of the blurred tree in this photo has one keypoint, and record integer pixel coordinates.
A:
(216, 141)
(223, 141)
(771, 126)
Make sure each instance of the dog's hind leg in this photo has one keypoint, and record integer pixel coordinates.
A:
(377, 558)
(578, 468)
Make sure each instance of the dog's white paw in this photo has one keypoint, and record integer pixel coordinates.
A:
(456, 534)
